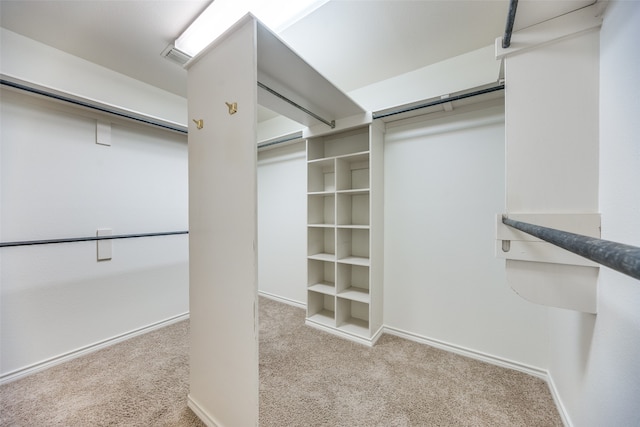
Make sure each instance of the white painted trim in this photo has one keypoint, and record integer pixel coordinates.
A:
(283, 300)
(564, 415)
(551, 31)
(201, 413)
(82, 351)
(343, 334)
(463, 351)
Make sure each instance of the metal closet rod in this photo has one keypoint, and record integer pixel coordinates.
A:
(617, 256)
(439, 102)
(331, 124)
(91, 106)
(88, 239)
(511, 19)
(288, 138)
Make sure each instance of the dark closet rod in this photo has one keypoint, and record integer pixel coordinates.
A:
(331, 124)
(617, 256)
(91, 106)
(439, 102)
(88, 239)
(511, 19)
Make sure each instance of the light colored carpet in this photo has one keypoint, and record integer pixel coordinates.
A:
(307, 378)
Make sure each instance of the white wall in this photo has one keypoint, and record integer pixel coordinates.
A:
(595, 360)
(444, 183)
(282, 213)
(56, 182)
(42, 65)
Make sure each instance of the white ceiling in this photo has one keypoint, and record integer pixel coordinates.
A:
(351, 42)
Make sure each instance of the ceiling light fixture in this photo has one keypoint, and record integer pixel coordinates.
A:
(222, 14)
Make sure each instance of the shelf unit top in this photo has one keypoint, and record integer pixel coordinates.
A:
(280, 68)
(283, 71)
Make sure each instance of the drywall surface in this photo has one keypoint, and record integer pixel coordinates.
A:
(552, 116)
(463, 72)
(223, 247)
(282, 213)
(444, 183)
(56, 182)
(595, 359)
(37, 63)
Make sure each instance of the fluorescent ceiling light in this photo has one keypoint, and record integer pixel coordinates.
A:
(222, 14)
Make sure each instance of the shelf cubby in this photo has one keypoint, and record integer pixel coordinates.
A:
(352, 172)
(321, 243)
(321, 176)
(321, 276)
(352, 282)
(321, 308)
(352, 316)
(353, 246)
(353, 208)
(321, 209)
(337, 145)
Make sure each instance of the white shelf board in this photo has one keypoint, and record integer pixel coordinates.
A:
(321, 162)
(324, 317)
(321, 193)
(355, 294)
(323, 257)
(323, 288)
(354, 260)
(356, 226)
(354, 192)
(360, 155)
(356, 327)
(321, 225)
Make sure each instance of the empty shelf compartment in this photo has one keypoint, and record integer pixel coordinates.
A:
(321, 243)
(352, 316)
(321, 308)
(321, 276)
(321, 209)
(321, 176)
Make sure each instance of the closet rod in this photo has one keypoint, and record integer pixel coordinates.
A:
(91, 106)
(297, 135)
(331, 124)
(88, 239)
(439, 102)
(511, 19)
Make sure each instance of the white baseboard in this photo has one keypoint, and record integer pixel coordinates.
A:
(201, 413)
(65, 357)
(283, 299)
(564, 415)
(474, 354)
(369, 342)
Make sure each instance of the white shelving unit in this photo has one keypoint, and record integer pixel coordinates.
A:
(345, 207)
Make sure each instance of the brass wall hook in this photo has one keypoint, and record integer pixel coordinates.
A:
(233, 107)
(199, 123)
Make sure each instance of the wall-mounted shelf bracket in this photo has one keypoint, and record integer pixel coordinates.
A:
(546, 274)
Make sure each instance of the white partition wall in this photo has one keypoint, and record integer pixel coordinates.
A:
(552, 146)
(245, 65)
(223, 232)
